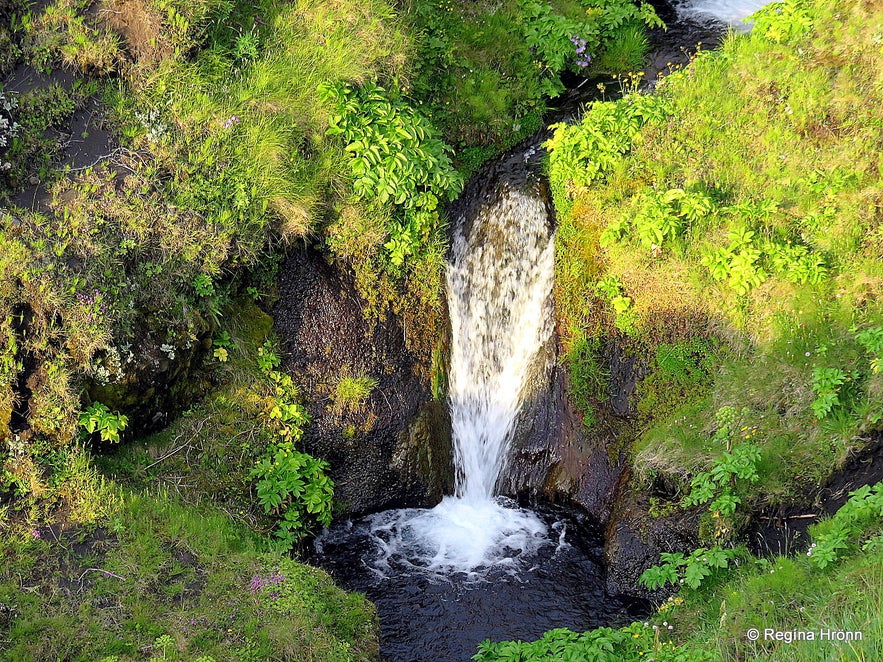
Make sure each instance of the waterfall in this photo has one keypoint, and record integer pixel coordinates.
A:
(499, 281)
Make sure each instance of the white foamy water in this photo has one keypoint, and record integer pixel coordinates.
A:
(499, 284)
(731, 12)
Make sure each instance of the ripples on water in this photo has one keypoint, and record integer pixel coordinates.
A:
(430, 614)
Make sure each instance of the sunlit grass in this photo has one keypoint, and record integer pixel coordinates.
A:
(763, 128)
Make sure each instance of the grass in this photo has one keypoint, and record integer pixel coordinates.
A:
(755, 138)
(225, 160)
(759, 134)
(786, 594)
(485, 89)
(157, 579)
(789, 595)
(351, 392)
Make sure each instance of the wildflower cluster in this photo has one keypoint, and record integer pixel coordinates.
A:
(231, 122)
(94, 305)
(582, 58)
(8, 127)
(259, 583)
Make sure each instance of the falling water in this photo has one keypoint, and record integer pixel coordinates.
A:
(732, 12)
(477, 566)
(499, 280)
(499, 283)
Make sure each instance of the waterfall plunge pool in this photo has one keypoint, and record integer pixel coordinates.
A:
(432, 614)
(477, 566)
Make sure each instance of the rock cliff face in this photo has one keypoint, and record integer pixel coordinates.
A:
(390, 448)
(556, 457)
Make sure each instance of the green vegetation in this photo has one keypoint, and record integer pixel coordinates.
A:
(244, 127)
(395, 157)
(728, 227)
(350, 393)
(151, 578)
(634, 643)
(741, 253)
(835, 587)
(98, 418)
(485, 87)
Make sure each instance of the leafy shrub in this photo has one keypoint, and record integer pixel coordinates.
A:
(634, 643)
(611, 289)
(294, 486)
(661, 218)
(856, 524)
(396, 157)
(690, 570)
(98, 418)
(730, 474)
(717, 485)
(796, 263)
(783, 22)
(871, 340)
(738, 263)
(291, 485)
(826, 383)
(580, 154)
(561, 43)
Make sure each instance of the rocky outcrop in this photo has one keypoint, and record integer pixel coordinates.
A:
(152, 382)
(388, 448)
(557, 457)
(634, 539)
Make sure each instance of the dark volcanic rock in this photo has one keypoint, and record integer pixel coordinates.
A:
(783, 530)
(394, 448)
(153, 382)
(634, 539)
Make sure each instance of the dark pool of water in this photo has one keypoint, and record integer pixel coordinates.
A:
(443, 619)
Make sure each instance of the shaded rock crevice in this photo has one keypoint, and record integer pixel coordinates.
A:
(392, 447)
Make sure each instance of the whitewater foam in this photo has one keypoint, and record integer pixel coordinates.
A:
(499, 286)
(732, 12)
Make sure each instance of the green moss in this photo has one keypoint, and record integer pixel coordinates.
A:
(158, 572)
(681, 372)
(589, 377)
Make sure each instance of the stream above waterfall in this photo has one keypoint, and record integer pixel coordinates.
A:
(730, 12)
